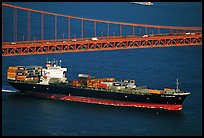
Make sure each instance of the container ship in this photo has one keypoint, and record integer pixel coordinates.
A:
(51, 82)
(143, 3)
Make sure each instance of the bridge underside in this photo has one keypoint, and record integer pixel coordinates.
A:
(60, 46)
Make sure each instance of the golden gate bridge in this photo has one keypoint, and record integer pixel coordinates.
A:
(174, 35)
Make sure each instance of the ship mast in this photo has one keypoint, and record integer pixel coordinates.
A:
(60, 62)
(177, 83)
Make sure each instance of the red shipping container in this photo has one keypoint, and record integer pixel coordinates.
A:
(104, 86)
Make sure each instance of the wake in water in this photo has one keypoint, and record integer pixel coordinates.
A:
(10, 91)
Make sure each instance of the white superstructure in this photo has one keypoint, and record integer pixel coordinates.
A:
(53, 72)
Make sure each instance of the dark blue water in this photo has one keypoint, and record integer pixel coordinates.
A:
(156, 68)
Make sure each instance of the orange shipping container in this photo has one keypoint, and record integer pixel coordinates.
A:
(30, 79)
(167, 89)
(10, 74)
(9, 78)
(45, 77)
(104, 86)
(35, 78)
(76, 84)
(12, 70)
(13, 67)
(155, 91)
(21, 77)
(110, 79)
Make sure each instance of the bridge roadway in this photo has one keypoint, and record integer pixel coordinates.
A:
(102, 43)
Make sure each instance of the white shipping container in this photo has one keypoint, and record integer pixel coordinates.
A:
(83, 75)
(9, 78)
(108, 83)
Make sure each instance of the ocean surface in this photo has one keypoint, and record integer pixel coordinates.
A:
(157, 68)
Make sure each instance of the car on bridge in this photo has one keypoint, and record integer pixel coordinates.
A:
(74, 40)
(145, 36)
(13, 43)
(94, 38)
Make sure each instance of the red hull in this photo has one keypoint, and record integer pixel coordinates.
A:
(107, 102)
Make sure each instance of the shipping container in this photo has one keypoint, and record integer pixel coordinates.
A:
(13, 68)
(33, 67)
(103, 86)
(83, 76)
(21, 68)
(36, 78)
(117, 84)
(11, 78)
(110, 79)
(154, 91)
(20, 77)
(23, 71)
(128, 81)
(21, 74)
(10, 74)
(29, 79)
(76, 84)
(167, 89)
(108, 83)
(45, 77)
(31, 71)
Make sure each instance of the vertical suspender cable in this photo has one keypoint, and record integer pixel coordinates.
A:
(121, 30)
(146, 30)
(82, 28)
(42, 26)
(133, 31)
(28, 25)
(108, 30)
(94, 28)
(68, 27)
(55, 27)
(16, 26)
(14, 20)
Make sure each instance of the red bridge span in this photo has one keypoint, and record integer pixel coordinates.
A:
(130, 35)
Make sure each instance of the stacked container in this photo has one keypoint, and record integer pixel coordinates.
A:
(82, 79)
(154, 91)
(75, 83)
(11, 74)
(99, 83)
(22, 73)
(33, 73)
